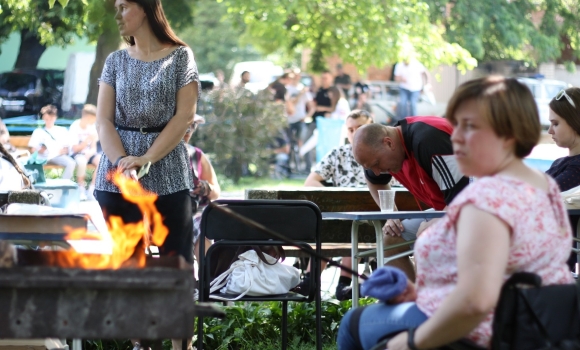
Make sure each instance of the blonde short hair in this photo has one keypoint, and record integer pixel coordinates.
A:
(508, 106)
(89, 109)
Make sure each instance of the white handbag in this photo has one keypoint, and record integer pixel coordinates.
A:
(251, 276)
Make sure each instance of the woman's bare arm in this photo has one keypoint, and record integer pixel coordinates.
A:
(208, 174)
(110, 140)
(483, 242)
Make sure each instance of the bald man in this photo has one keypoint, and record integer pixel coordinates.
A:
(418, 153)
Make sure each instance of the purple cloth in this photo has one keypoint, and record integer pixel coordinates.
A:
(385, 283)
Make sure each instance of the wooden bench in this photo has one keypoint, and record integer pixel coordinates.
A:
(21, 143)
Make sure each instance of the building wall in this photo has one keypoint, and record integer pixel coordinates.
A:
(55, 57)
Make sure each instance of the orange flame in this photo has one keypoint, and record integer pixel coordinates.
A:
(129, 240)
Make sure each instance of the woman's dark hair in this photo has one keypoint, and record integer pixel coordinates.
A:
(4, 154)
(48, 109)
(157, 22)
(564, 109)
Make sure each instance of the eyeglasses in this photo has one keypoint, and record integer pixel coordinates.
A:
(563, 93)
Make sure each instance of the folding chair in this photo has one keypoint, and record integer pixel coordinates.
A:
(299, 221)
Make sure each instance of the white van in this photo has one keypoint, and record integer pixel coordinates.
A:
(262, 73)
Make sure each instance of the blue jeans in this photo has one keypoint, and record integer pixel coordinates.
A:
(378, 320)
(407, 103)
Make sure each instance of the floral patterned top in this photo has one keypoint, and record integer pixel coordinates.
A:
(540, 240)
(146, 96)
(340, 168)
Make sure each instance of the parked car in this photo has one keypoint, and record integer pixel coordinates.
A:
(544, 91)
(384, 97)
(25, 91)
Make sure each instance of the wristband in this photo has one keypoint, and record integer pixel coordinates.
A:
(116, 164)
(411, 339)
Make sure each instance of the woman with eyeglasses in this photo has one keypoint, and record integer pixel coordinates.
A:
(565, 131)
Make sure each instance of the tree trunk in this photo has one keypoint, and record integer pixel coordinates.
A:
(108, 42)
(30, 50)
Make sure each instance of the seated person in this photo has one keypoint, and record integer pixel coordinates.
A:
(205, 188)
(84, 138)
(12, 177)
(418, 153)
(4, 135)
(565, 131)
(52, 142)
(339, 168)
(506, 221)
(280, 147)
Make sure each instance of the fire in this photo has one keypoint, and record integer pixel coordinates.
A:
(129, 240)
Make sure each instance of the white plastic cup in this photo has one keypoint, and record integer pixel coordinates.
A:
(387, 200)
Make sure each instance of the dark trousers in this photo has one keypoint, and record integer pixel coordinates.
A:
(175, 209)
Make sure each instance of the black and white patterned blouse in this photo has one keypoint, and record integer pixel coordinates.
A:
(146, 96)
(340, 168)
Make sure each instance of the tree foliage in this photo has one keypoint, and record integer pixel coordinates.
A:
(529, 30)
(215, 38)
(362, 32)
(240, 130)
(50, 25)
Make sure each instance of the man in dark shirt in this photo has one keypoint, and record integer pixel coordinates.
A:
(324, 103)
(342, 80)
(418, 153)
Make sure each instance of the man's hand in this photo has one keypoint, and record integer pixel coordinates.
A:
(63, 151)
(393, 228)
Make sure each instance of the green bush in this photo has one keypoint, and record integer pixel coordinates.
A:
(253, 325)
(250, 323)
(239, 130)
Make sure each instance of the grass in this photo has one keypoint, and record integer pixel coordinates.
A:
(228, 185)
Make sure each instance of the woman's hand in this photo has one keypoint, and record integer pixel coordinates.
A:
(131, 173)
(129, 162)
(202, 189)
(399, 342)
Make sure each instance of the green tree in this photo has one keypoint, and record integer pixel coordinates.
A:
(362, 32)
(529, 30)
(214, 38)
(41, 23)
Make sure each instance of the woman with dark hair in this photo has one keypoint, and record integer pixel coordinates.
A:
(565, 131)
(148, 96)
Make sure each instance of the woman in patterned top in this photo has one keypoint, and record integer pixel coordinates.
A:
(148, 95)
(340, 169)
(511, 219)
(565, 131)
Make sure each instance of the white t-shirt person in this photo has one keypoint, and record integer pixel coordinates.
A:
(78, 135)
(10, 178)
(54, 139)
(412, 73)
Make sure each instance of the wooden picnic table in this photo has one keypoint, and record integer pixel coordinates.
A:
(336, 234)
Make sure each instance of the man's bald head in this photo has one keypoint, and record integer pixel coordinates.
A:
(370, 135)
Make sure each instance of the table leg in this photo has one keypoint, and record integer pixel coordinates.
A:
(380, 248)
(354, 253)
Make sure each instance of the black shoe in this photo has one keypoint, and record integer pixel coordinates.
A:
(303, 287)
(344, 292)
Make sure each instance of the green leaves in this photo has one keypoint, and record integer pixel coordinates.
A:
(363, 32)
(530, 30)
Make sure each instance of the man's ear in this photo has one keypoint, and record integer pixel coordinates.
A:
(388, 142)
